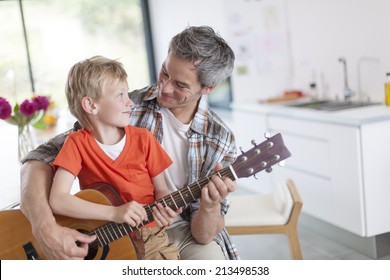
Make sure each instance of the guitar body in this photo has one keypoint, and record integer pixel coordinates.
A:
(15, 233)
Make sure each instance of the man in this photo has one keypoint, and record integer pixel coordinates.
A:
(175, 111)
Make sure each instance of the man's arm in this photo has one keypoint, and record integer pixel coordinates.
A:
(36, 176)
(56, 242)
(208, 221)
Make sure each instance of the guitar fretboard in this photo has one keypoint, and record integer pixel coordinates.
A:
(260, 157)
(181, 198)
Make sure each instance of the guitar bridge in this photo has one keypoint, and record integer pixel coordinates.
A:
(30, 251)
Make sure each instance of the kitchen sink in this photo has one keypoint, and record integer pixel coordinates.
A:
(332, 105)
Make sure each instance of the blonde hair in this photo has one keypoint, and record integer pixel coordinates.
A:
(87, 78)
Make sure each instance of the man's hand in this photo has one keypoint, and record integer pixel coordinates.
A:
(217, 189)
(59, 243)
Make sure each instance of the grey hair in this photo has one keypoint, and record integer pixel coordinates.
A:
(207, 50)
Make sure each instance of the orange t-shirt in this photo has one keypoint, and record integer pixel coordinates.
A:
(141, 159)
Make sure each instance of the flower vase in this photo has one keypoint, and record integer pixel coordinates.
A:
(25, 141)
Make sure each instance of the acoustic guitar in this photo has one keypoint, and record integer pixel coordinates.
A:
(117, 240)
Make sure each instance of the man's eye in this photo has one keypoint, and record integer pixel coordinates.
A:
(180, 85)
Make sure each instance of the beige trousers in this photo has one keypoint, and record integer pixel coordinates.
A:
(189, 249)
(157, 244)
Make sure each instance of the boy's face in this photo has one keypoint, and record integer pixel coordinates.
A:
(115, 105)
(179, 87)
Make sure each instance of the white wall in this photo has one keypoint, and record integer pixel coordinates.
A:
(169, 17)
(321, 31)
(317, 33)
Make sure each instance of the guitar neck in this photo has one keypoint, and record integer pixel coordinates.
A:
(187, 195)
(181, 198)
(260, 157)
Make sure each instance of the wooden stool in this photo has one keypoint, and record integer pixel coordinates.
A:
(275, 213)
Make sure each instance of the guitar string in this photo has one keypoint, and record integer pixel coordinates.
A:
(115, 228)
(106, 232)
(195, 189)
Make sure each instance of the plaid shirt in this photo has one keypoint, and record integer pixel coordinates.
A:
(210, 142)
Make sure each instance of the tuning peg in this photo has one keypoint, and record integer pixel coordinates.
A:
(242, 151)
(268, 169)
(267, 135)
(254, 142)
(282, 163)
(256, 176)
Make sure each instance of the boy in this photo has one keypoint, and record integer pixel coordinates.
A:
(108, 150)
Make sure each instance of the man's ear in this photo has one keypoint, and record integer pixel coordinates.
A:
(89, 105)
(207, 90)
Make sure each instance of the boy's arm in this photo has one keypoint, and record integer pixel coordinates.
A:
(64, 203)
(161, 214)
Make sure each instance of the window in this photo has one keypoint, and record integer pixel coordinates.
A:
(61, 33)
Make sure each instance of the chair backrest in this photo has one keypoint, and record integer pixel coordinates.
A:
(296, 200)
(283, 199)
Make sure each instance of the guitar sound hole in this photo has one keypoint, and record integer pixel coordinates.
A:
(92, 247)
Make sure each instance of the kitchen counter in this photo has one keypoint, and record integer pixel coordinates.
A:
(350, 117)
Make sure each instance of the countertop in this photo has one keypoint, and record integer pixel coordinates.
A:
(350, 117)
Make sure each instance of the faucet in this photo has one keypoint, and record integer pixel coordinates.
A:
(347, 91)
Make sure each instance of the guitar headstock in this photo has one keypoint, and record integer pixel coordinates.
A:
(261, 157)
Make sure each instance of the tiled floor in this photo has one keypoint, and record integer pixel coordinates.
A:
(275, 246)
(314, 247)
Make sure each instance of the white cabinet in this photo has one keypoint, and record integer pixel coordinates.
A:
(326, 165)
(340, 161)
(376, 170)
(248, 126)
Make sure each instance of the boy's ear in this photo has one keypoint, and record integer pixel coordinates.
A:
(207, 90)
(89, 105)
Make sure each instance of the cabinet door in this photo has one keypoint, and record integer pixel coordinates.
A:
(376, 166)
(326, 165)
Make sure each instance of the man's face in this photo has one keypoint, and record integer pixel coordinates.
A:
(179, 87)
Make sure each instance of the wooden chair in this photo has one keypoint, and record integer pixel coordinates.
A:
(275, 213)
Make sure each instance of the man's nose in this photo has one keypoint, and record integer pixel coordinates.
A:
(166, 85)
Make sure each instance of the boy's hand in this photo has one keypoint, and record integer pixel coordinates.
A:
(164, 215)
(132, 213)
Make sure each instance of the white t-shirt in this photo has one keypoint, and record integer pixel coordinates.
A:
(113, 151)
(175, 144)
